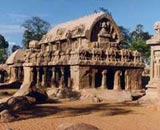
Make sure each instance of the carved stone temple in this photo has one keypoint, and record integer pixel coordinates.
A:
(154, 42)
(79, 54)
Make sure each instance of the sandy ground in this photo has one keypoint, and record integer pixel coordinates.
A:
(105, 115)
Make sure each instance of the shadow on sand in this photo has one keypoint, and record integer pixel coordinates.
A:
(62, 111)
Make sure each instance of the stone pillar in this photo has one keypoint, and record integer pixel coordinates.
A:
(104, 79)
(154, 42)
(53, 77)
(44, 76)
(69, 82)
(62, 84)
(75, 77)
(27, 82)
(38, 78)
(117, 80)
(127, 80)
(139, 80)
(13, 75)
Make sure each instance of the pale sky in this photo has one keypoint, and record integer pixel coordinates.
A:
(127, 13)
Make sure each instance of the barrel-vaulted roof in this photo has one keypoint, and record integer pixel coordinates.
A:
(79, 28)
(16, 57)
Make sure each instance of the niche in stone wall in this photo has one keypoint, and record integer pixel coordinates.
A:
(110, 29)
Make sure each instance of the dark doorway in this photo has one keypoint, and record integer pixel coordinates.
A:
(34, 72)
(66, 75)
(110, 78)
(98, 79)
(48, 76)
(123, 79)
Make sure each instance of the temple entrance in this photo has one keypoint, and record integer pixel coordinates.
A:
(67, 76)
(123, 80)
(98, 79)
(110, 78)
(48, 76)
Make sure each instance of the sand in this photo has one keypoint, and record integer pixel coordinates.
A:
(105, 115)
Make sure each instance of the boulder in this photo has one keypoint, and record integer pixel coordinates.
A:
(78, 126)
(39, 94)
(18, 103)
(6, 116)
(3, 106)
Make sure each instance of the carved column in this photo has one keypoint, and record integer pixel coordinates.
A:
(13, 75)
(53, 77)
(104, 79)
(69, 82)
(154, 42)
(38, 77)
(117, 80)
(44, 76)
(127, 80)
(62, 84)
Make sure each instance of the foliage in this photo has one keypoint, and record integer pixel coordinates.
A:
(15, 47)
(3, 49)
(138, 42)
(105, 10)
(35, 28)
(126, 34)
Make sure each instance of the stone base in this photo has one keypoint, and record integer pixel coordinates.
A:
(152, 96)
(108, 95)
(153, 84)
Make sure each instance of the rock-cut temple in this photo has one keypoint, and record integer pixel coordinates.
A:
(79, 54)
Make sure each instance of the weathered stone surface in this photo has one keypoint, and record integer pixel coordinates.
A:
(3, 106)
(86, 54)
(6, 116)
(18, 103)
(153, 91)
(106, 95)
(78, 126)
(96, 99)
(39, 94)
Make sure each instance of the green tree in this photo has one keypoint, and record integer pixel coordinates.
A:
(35, 28)
(105, 10)
(3, 49)
(125, 43)
(138, 42)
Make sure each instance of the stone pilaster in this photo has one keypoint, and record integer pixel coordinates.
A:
(62, 84)
(104, 79)
(38, 77)
(44, 76)
(117, 80)
(154, 42)
(127, 80)
(53, 77)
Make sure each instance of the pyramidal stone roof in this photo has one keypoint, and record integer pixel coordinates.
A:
(79, 28)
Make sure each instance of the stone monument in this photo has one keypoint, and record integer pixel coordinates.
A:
(79, 54)
(154, 43)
